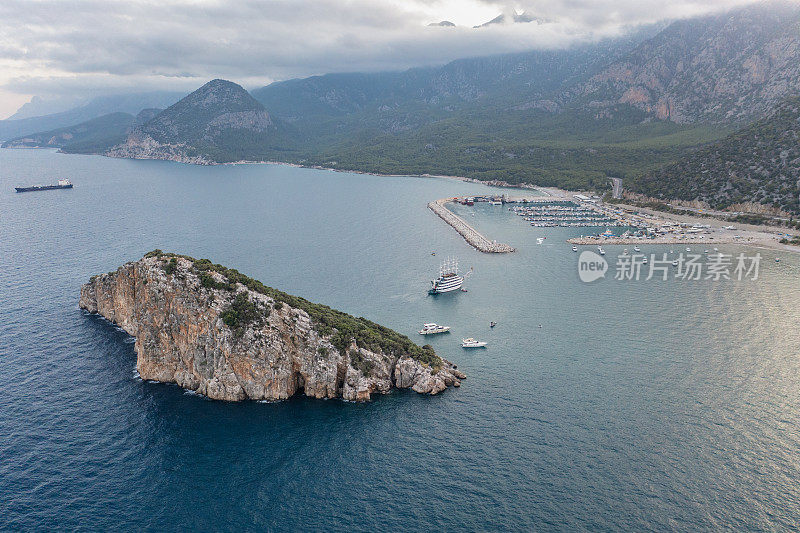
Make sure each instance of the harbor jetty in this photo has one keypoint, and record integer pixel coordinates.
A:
(470, 234)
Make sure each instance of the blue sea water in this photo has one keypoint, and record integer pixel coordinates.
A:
(644, 405)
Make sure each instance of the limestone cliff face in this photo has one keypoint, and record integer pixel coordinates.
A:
(140, 145)
(728, 67)
(181, 337)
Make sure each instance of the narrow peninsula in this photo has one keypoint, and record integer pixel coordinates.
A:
(213, 330)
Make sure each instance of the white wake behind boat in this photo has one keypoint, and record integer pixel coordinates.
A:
(472, 343)
(432, 329)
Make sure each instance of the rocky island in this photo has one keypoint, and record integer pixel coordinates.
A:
(213, 330)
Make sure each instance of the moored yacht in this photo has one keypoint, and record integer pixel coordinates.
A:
(433, 328)
(472, 343)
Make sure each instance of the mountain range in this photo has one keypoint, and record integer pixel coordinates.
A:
(123, 103)
(640, 107)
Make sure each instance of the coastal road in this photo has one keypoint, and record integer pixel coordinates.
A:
(616, 187)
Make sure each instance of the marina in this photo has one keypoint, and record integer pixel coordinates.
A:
(567, 213)
(625, 225)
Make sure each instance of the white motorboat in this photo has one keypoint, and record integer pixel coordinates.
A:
(433, 328)
(574, 248)
(472, 343)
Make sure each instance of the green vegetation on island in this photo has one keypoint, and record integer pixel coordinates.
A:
(343, 328)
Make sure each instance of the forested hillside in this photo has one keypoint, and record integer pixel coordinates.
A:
(760, 163)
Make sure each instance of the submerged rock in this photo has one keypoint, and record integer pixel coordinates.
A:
(217, 332)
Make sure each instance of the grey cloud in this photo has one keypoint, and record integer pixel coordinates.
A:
(107, 46)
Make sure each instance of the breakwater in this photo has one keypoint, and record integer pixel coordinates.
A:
(470, 234)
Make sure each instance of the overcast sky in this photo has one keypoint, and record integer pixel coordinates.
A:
(81, 47)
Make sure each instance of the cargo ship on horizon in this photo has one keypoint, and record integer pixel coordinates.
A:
(62, 184)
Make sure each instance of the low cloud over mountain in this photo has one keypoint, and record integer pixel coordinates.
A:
(45, 47)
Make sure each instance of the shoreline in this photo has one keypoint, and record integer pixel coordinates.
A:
(546, 191)
(757, 235)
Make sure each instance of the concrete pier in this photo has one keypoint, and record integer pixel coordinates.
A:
(470, 234)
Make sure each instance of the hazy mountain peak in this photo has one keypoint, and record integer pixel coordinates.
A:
(512, 17)
(39, 106)
(217, 118)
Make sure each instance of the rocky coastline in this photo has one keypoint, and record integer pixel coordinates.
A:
(142, 146)
(221, 334)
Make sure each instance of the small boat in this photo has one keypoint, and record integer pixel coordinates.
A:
(433, 328)
(705, 252)
(492, 324)
(472, 343)
(644, 260)
(688, 249)
(540, 325)
(574, 248)
(625, 251)
(675, 263)
(602, 252)
(637, 249)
